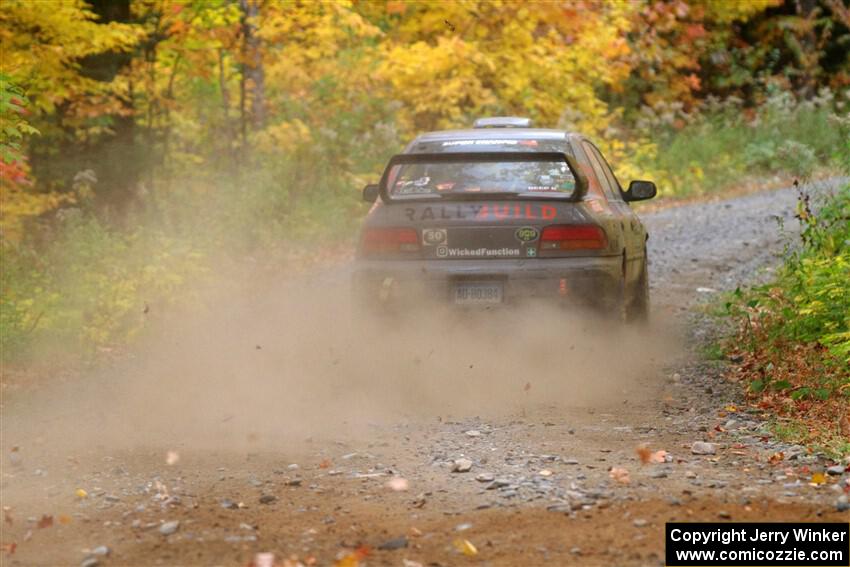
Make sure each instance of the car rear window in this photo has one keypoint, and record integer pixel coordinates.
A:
(529, 178)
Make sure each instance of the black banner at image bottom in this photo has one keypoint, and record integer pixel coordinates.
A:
(761, 544)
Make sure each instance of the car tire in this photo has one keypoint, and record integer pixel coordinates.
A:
(617, 309)
(638, 308)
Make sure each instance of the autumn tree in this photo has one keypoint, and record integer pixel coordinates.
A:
(44, 47)
(451, 61)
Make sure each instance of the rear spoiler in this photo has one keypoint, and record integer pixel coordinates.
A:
(484, 157)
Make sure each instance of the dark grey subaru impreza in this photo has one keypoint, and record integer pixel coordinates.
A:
(503, 214)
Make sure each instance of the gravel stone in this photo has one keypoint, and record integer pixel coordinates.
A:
(169, 528)
(393, 544)
(703, 448)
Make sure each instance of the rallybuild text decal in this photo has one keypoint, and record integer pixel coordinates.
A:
(481, 212)
(446, 252)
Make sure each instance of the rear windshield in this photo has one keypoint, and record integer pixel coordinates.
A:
(526, 178)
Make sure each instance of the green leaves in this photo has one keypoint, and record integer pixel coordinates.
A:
(797, 327)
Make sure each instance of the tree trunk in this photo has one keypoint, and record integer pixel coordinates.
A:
(252, 57)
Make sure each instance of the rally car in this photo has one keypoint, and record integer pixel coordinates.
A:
(503, 214)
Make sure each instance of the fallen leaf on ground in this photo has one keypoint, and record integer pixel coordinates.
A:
(777, 457)
(647, 455)
(818, 478)
(81, 493)
(263, 560)
(354, 558)
(64, 520)
(325, 464)
(398, 484)
(44, 522)
(659, 456)
(545, 472)
(620, 475)
(10, 548)
(466, 547)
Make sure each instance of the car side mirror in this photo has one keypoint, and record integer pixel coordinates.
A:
(640, 191)
(370, 193)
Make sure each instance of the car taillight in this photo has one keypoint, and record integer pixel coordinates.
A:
(573, 237)
(382, 241)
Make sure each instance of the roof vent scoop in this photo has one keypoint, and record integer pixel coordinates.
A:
(503, 122)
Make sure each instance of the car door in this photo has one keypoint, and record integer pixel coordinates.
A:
(633, 230)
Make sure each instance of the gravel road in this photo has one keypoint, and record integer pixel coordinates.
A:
(541, 480)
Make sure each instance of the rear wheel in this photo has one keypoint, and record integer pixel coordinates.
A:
(638, 306)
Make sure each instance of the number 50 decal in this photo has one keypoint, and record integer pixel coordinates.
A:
(434, 236)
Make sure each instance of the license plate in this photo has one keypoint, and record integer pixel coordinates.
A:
(478, 293)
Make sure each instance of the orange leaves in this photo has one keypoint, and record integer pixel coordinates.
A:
(620, 475)
(776, 458)
(396, 7)
(44, 522)
(648, 456)
(354, 558)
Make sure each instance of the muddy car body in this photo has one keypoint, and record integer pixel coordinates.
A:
(503, 214)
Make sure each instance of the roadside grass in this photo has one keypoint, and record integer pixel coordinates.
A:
(713, 351)
(793, 334)
(720, 149)
(791, 430)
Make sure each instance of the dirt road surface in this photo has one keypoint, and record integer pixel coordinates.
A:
(274, 426)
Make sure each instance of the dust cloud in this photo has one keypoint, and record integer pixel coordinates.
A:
(277, 362)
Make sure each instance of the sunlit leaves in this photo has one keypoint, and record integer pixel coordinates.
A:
(451, 62)
(43, 42)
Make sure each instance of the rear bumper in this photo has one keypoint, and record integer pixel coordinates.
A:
(594, 281)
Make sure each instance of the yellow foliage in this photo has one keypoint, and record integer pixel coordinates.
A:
(283, 137)
(19, 202)
(733, 10)
(42, 43)
(450, 62)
